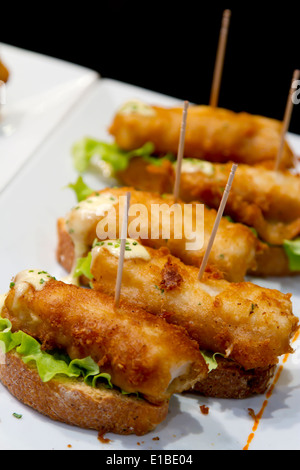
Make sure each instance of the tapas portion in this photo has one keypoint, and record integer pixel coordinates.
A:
(234, 252)
(212, 134)
(267, 200)
(246, 326)
(77, 337)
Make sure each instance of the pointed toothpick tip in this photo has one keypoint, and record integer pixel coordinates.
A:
(217, 77)
(227, 14)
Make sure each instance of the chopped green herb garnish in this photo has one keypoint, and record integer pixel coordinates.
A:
(17, 415)
(11, 285)
(158, 288)
(253, 307)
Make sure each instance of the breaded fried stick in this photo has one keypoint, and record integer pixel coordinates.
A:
(233, 253)
(143, 354)
(247, 323)
(267, 200)
(213, 134)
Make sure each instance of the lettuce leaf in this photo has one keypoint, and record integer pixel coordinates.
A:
(292, 249)
(83, 267)
(49, 365)
(81, 189)
(110, 153)
(210, 359)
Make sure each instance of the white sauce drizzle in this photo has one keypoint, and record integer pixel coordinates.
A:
(133, 249)
(32, 277)
(137, 107)
(194, 166)
(35, 278)
(71, 279)
(83, 216)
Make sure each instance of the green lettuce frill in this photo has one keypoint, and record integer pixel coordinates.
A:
(49, 365)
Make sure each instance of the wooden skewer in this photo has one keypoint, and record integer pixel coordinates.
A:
(286, 120)
(122, 250)
(217, 221)
(180, 151)
(215, 92)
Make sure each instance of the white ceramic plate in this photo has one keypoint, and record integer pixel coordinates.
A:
(29, 209)
(39, 93)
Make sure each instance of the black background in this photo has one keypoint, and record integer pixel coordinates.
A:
(170, 47)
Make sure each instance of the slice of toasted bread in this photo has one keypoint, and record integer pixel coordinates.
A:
(230, 380)
(65, 252)
(73, 402)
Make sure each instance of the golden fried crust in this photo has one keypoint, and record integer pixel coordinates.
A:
(144, 176)
(133, 346)
(266, 200)
(249, 209)
(212, 134)
(263, 199)
(4, 73)
(248, 323)
(232, 259)
(72, 402)
(233, 252)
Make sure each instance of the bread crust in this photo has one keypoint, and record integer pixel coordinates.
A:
(72, 402)
(231, 381)
(128, 343)
(65, 253)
